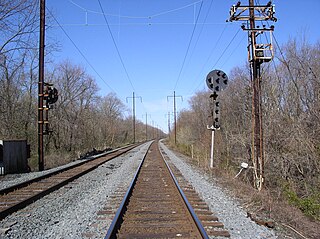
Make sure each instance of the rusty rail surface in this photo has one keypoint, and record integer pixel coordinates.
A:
(154, 205)
(18, 196)
(210, 222)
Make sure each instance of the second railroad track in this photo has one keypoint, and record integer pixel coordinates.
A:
(20, 195)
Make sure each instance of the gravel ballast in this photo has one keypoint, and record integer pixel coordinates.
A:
(69, 211)
(227, 209)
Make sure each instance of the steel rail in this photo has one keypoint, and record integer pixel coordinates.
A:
(118, 218)
(39, 178)
(74, 175)
(191, 211)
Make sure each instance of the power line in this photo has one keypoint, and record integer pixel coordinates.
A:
(204, 23)
(211, 52)
(115, 45)
(185, 57)
(236, 48)
(81, 53)
(135, 17)
(141, 24)
(177, 9)
(201, 29)
(221, 54)
(226, 48)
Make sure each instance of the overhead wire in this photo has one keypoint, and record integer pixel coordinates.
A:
(201, 29)
(116, 46)
(226, 48)
(142, 24)
(233, 51)
(282, 55)
(78, 49)
(174, 10)
(211, 52)
(186, 54)
(204, 21)
(135, 17)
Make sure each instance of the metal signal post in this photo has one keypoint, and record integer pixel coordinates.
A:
(216, 81)
(258, 53)
(215, 124)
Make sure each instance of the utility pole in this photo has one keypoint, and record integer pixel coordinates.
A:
(134, 114)
(147, 125)
(258, 53)
(153, 129)
(169, 129)
(175, 113)
(41, 86)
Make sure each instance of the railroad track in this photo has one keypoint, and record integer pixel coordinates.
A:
(18, 196)
(156, 207)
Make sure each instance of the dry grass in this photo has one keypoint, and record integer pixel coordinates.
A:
(57, 159)
(265, 205)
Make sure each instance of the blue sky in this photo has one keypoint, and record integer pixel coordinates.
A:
(153, 36)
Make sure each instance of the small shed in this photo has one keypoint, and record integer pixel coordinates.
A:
(14, 156)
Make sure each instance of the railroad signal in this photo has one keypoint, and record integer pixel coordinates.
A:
(52, 95)
(217, 80)
(216, 117)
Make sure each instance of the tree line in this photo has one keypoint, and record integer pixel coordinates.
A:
(81, 119)
(291, 113)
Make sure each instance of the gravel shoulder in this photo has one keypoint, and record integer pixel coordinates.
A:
(70, 211)
(227, 209)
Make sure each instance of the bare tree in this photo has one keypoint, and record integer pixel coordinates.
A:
(291, 113)
(18, 23)
(111, 109)
(77, 92)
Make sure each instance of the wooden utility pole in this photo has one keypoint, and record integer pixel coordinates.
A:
(258, 54)
(134, 114)
(175, 113)
(147, 126)
(257, 137)
(41, 86)
(169, 129)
